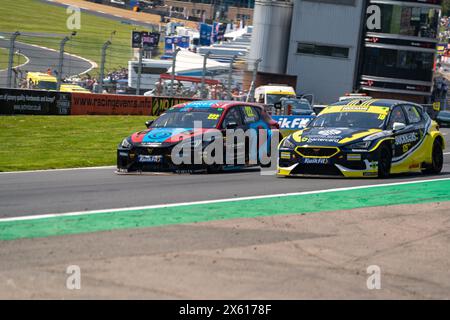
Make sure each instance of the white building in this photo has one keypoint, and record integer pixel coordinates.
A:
(324, 46)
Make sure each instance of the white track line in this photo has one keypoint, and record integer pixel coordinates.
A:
(27, 60)
(83, 213)
(92, 63)
(56, 170)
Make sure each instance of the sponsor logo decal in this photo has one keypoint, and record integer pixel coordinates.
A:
(292, 122)
(159, 134)
(152, 159)
(330, 132)
(315, 161)
(322, 139)
(355, 108)
(406, 138)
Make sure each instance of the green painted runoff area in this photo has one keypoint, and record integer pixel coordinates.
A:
(412, 193)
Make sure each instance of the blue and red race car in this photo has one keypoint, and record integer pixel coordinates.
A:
(198, 125)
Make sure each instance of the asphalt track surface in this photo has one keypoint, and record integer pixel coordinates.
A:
(62, 191)
(40, 59)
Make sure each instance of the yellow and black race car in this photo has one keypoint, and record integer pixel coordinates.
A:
(364, 138)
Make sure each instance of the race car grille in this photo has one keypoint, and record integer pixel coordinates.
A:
(317, 169)
(153, 151)
(317, 152)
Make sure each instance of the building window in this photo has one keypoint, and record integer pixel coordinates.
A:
(242, 16)
(409, 21)
(400, 64)
(323, 50)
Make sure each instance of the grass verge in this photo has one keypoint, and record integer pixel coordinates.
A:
(52, 142)
(37, 17)
(4, 59)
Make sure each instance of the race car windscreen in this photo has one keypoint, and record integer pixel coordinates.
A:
(275, 98)
(185, 118)
(364, 120)
(47, 85)
(300, 105)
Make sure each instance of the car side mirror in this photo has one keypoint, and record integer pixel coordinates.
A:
(232, 125)
(148, 123)
(398, 126)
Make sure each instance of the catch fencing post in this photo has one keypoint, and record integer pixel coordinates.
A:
(102, 66)
(205, 60)
(173, 71)
(255, 72)
(61, 62)
(11, 58)
(139, 75)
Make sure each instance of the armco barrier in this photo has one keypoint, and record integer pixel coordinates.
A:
(111, 104)
(36, 102)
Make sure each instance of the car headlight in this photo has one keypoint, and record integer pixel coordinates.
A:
(360, 145)
(126, 144)
(287, 144)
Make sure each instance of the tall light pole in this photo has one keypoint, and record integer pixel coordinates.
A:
(102, 66)
(113, 33)
(61, 62)
(172, 80)
(253, 85)
(230, 76)
(139, 75)
(205, 61)
(11, 57)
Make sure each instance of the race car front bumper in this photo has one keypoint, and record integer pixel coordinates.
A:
(144, 159)
(327, 163)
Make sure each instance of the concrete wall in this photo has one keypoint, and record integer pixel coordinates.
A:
(325, 22)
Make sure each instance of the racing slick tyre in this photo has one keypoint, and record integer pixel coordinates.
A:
(268, 165)
(384, 161)
(437, 156)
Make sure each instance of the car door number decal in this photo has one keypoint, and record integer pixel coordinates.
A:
(213, 116)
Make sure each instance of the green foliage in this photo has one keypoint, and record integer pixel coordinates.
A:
(446, 7)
